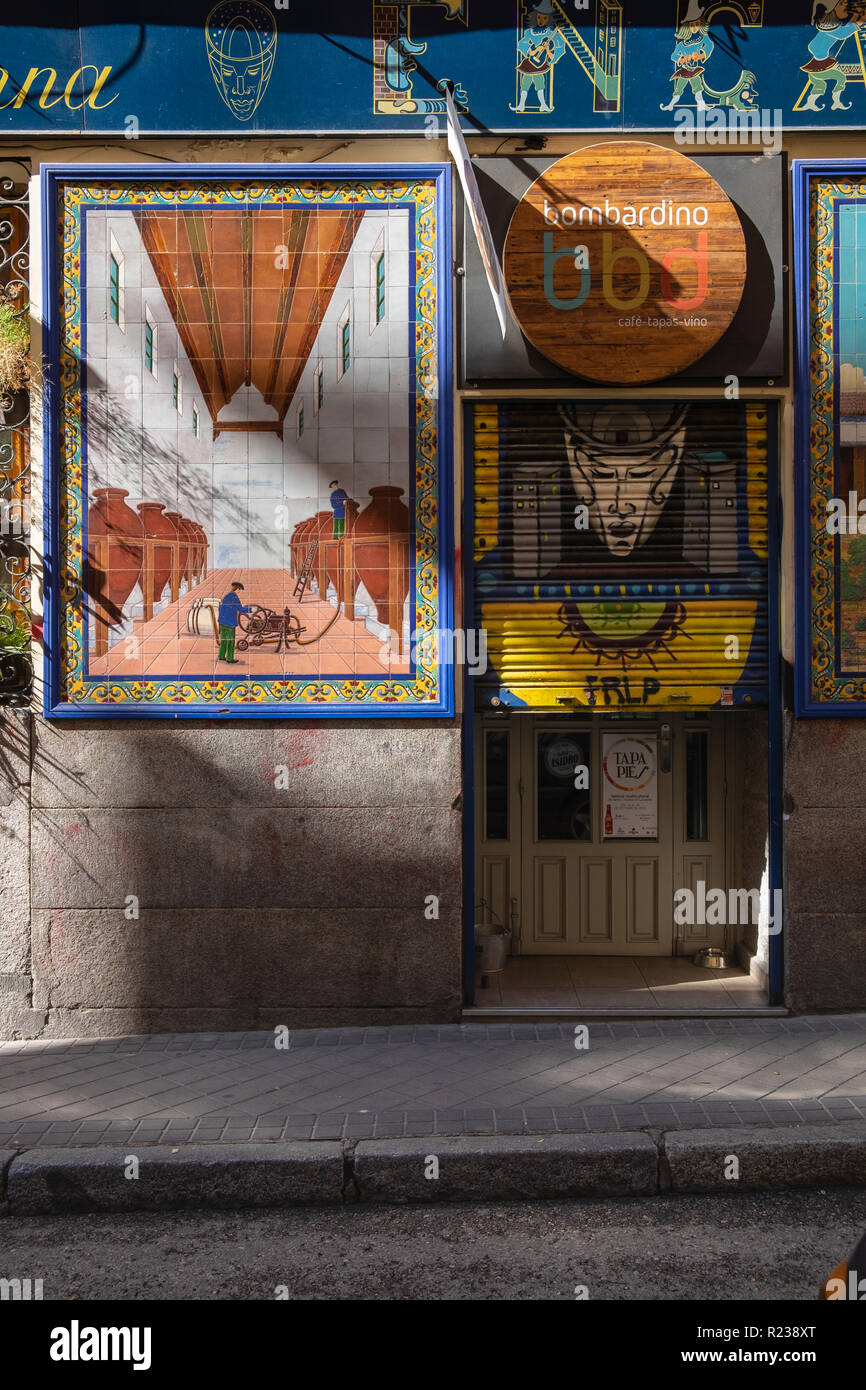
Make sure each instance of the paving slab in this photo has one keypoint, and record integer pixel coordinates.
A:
(465, 1077)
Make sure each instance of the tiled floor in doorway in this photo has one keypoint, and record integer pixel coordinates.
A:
(616, 982)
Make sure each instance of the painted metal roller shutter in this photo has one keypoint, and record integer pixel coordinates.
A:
(621, 552)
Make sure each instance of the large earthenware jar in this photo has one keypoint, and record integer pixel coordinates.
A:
(293, 549)
(332, 551)
(195, 566)
(115, 534)
(205, 548)
(323, 531)
(381, 562)
(200, 549)
(301, 545)
(183, 544)
(192, 550)
(158, 528)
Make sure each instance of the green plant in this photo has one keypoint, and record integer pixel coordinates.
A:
(15, 634)
(14, 348)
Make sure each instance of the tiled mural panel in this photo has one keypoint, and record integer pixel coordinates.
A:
(259, 445)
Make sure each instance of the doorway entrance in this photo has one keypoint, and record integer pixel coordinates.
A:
(588, 830)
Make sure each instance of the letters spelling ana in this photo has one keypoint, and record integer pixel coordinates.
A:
(32, 80)
(661, 214)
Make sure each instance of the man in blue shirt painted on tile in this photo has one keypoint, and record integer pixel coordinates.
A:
(339, 498)
(835, 24)
(230, 609)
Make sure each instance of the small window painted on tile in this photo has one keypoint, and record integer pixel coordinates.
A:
(116, 284)
(151, 338)
(377, 282)
(344, 341)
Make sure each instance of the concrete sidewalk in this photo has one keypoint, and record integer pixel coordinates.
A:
(459, 1079)
(510, 1111)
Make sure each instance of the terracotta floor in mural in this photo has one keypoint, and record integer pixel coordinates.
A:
(165, 648)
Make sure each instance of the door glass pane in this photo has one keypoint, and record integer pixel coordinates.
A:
(697, 792)
(564, 811)
(496, 784)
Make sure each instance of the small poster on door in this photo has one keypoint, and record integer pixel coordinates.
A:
(630, 785)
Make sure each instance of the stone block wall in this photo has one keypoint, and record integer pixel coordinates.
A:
(174, 886)
(825, 864)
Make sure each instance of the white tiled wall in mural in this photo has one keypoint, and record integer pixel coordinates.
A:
(360, 433)
(136, 438)
(248, 490)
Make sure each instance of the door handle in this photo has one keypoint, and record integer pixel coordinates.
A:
(665, 738)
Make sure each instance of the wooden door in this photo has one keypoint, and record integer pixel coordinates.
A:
(551, 860)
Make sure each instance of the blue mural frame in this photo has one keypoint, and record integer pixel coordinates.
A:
(52, 177)
(805, 171)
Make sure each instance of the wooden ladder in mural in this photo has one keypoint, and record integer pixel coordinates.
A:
(306, 570)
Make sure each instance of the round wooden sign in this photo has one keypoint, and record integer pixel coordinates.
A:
(625, 262)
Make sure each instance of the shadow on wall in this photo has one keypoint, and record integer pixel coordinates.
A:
(132, 452)
(178, 889)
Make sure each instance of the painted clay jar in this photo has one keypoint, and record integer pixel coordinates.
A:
(323, 531)
(332, 548)
(301, 545)
(384, 517)
(192, 550)
(116, 553)
(294, 545)
(183, 558)
(158, 528)
(201, 551)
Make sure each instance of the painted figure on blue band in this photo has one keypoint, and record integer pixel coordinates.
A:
(540, 48)
(241, 39)
(230, 610)
(834, 24)
(693, 49)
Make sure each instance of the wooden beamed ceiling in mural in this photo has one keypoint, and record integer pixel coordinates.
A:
(248, 290)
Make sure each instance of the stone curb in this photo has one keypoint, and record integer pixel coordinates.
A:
(6, 1158)
(41, 1181)
(525, 1165)
(394, 1171)
(806, 1156)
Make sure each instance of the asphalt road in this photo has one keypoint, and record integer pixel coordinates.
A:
(756, 1247)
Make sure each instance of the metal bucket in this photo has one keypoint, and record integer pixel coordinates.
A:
(492, 948)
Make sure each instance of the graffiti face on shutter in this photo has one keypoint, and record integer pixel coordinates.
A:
(621, 552)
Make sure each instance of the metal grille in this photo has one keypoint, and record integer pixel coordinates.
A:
(621, 552)
(16, 667)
